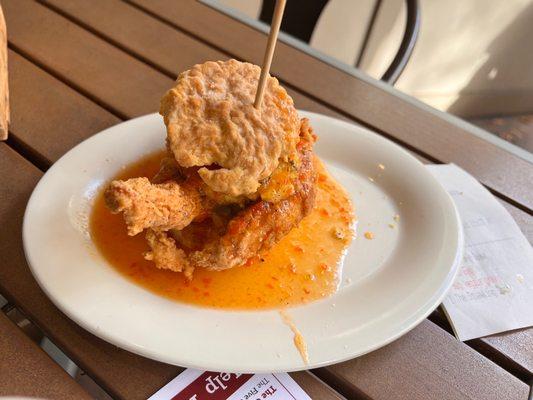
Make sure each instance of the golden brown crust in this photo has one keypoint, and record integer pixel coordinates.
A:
(165, 254)
(146, 205)
(211, 120)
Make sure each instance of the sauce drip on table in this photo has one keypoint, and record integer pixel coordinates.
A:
(303, 266)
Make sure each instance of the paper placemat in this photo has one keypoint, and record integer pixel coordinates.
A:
(493, 291)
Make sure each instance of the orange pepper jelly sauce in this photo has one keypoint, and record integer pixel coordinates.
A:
(303, 266)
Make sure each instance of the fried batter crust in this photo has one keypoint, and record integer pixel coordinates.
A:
(211, 120)
(159, 206)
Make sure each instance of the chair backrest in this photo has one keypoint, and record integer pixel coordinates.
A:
(301, 17)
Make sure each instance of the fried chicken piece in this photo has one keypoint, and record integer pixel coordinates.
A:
(169, 250)
(261, 225)
(159, 206)
(165, 254)
(253, 230)
(257, 229)
(172, 200)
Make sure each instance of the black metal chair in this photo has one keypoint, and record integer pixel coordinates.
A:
(301, 16)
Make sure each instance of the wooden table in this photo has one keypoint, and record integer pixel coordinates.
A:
(25, 370)
(79, 66)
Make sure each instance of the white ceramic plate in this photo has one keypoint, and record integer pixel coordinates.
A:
(390, 283)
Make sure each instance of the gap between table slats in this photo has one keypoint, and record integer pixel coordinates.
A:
(511, 350)
(26, 370)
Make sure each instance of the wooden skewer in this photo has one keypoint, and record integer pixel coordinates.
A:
(269, 52)
(4, 91)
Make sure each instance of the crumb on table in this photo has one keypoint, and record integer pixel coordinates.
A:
(369, 235)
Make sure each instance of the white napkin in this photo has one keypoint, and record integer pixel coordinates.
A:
(493, 291)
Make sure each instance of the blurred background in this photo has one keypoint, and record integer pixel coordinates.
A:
(471, 58)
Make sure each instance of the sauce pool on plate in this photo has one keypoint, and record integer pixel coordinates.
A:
(304, 266)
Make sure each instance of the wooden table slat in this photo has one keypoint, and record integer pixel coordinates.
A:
(314, 387)
(511, 350)
(430, 359)
(43, 126)
(369, 101)
(164, 47)
(90, 65)
(139, 34)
